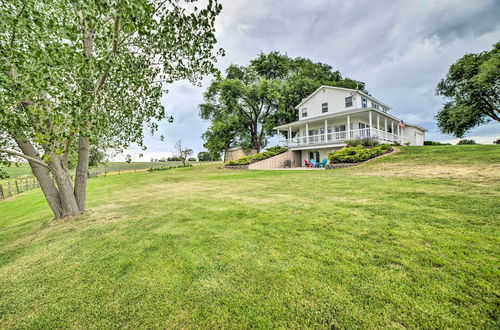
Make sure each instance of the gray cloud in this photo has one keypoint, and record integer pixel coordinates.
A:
(401, 49)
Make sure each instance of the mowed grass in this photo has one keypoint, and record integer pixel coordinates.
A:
(206, 247)
(23, 169)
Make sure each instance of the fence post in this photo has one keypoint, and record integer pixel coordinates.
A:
(27, 185)
(17, 187)
(1, 192)
(33, 184)
(9, 189)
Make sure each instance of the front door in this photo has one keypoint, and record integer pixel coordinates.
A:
(314, 155)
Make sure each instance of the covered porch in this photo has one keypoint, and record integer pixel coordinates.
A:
(335, 129)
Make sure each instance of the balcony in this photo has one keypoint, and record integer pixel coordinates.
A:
(342, 137)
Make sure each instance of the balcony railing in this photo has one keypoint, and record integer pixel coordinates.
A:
(341, 137)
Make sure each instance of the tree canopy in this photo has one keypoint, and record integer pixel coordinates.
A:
(248, 101)
(205, 156)
(77, 74)
(472, 86)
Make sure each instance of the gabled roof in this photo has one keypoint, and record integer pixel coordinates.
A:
(340, 88)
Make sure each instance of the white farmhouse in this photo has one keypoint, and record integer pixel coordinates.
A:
(331, 115)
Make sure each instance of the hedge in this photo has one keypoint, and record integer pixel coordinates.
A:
(357, 154)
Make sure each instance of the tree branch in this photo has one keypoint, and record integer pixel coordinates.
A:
(18, 154)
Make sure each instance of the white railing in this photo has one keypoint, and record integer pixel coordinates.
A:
(341, 137)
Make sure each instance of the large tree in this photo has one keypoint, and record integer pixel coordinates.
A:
(78, 73)
(472, 86)
(248, 101)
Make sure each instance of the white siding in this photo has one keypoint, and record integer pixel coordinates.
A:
(414, 135)
(335, 99)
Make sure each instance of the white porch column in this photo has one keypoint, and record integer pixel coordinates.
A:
(399, 138)
(385, 128)
(378, 126)
(290, 136)
(348, 128)
(392, 129)
(370, 122)
(307, 133)
(326, 130)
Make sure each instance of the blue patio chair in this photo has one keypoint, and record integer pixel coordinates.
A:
(323, 162)
(313, 162)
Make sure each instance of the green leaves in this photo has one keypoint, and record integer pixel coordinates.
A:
(111, 94)
(472, 85)
(78, 69)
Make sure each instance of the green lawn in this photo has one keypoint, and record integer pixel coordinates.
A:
(23, 170)
(382, 245)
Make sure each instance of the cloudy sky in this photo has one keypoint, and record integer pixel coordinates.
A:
(400, 49)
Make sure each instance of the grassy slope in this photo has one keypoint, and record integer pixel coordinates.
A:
(23, 169)
(210, 247)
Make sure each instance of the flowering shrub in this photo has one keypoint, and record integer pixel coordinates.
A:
(357, 154)
(246, 160)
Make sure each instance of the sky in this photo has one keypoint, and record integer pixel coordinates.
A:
(400, 49)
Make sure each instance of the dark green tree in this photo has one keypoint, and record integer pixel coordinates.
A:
(472, 87)
(205, 156)
(248, 101)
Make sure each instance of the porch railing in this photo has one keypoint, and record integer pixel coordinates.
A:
(341, 137)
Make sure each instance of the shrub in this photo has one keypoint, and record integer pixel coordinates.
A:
(357, 154)
(191, 159)
(277, 150)
(367, 142)
(164, 168)
(466, 141)
(497, 141)
(246, 160)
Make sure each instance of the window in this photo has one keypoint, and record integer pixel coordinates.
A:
(304, 112)
(339, 128)
(348, 101)
(384, 109)
(364, 102)
(374, 105)
(324, 107)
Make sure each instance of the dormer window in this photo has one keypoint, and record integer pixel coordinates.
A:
(348, 101)
(384, 109)
(375, 105)
(324, 107)
(304, 112)
(364, 102)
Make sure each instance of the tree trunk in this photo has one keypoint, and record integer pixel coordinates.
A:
(82, 170)
(42, 174)
(63, 180)
(255, 138)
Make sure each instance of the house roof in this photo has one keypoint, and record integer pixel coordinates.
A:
(342, 113)
(340, 88)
